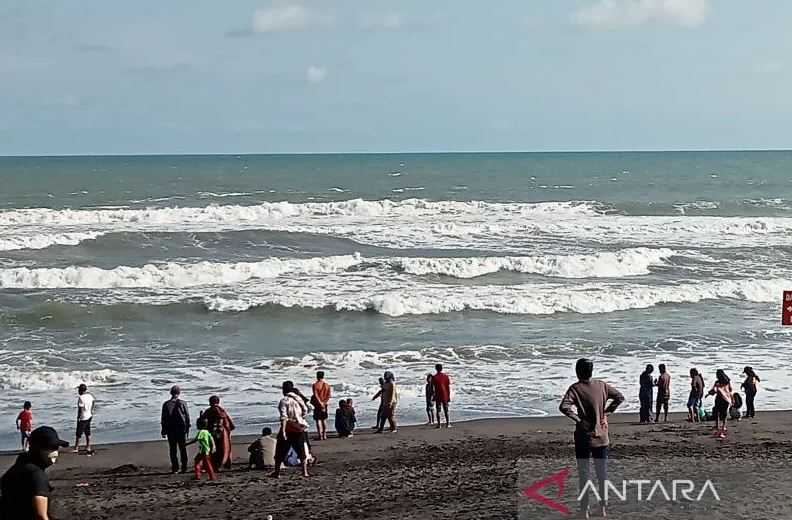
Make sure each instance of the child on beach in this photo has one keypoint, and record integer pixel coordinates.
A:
(262, 451)
(24, 424)
(351, 413)
(206, 446)
(734, 409)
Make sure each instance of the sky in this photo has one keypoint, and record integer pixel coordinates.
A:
(316, 76)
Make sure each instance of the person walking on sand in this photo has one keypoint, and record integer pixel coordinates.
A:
(390, 398)
(751, 386)
(645, 394)
(25, 489)
(206, 446)
(696, 395)
(722, 390)
(175, 424)
(220, 425)
(292, 411)
(430, 406)
(320, 399)
(663, 393)
(24, 424)
(442, 393)
(586, 403)
(85, 409)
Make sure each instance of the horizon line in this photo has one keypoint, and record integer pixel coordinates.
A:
(439, 152)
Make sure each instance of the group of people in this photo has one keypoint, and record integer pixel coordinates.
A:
(727, 402)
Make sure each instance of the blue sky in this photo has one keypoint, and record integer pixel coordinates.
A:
(357, 76)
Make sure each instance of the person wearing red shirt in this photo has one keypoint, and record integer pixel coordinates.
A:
(442, 394)
(320, 400)
(25, 424)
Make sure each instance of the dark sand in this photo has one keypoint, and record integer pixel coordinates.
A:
(475, 470)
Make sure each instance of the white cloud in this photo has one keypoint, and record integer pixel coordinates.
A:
(610, 14)
(282, 18)
(315, 74)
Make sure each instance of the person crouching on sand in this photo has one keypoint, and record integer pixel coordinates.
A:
(292, 434)
(262, 451)
(722, 390)
(206, 446)
(342, 426)
(586, 403)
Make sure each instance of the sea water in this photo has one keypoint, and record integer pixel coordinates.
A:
(230, 274)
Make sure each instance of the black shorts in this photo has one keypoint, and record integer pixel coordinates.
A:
(25, 435)
(320, 414)
(662, 398)
(721, 410)
(294, 440)
(84, 428)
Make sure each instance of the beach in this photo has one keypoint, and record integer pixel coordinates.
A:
(475, 470)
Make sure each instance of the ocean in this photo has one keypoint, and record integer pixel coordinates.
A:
(229, 274)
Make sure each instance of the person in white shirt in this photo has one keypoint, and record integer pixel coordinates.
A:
(85, 406)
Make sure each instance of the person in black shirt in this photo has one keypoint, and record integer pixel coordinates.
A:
(645, 394)
(176, 427)
(25, 487)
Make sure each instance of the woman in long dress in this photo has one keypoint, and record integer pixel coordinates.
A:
(221, 426)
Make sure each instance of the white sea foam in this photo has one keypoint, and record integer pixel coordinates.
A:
(170, 274)
(534, 299)
(628, 262)
(43, 380)
(41, 241)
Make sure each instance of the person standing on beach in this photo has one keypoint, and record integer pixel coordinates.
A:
(430, 406)
(663, 393)
(586, 403)
(696, 395)
(390, 398)
(220, 425)
(380, 420)
(85, 408)
(321, 401)
(175, 424)
(645, 394)
(442, 393)
(722, 390)
(292, 411)
(24, 424)
(751, 386)
(25, 489)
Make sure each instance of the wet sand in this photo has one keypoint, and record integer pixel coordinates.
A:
(475, 470)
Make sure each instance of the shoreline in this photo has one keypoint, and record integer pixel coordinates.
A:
(474, 470)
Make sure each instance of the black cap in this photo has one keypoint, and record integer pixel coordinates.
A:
(46, 437)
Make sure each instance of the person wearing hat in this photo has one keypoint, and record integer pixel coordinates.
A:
(85, 407)
(25, 487)
(175, 424)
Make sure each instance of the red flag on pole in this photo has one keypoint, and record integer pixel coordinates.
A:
(786, 310)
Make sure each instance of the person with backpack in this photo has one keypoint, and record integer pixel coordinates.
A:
(175, 423)
(293, 432)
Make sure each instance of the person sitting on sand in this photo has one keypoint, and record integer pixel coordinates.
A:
(220, 424)
(351, 416)
(85, 409)
(342, 426)
(390, 398)
(430, 406)
(734, 409)
(696, 395)
(320, 399)
(751, 386)
(722, 390)
(292, 434)
(442, 394)
(206, 446)
(24, 424)
(380, 420)
(645, 394)
(262, 451)
(663, 393)
(586, 403)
